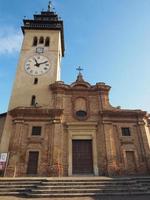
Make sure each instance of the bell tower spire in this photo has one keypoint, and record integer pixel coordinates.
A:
(46, 20)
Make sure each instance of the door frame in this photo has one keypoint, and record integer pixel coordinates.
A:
(126, 160)
(91, 150)
(27, 158)
(134, 161)
(82, 131)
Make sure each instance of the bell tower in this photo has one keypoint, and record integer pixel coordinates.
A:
(40, 58)
(38, 67)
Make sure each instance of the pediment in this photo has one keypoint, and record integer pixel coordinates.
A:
(78, 84)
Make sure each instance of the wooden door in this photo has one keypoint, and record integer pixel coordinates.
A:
(33, 162)
(131, 165)
(82, 159)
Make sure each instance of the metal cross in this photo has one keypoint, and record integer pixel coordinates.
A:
(79, 69)
(49, 6)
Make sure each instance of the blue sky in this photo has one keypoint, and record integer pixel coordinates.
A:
(110, 39)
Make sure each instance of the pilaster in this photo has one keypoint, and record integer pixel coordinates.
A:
(14, 153)
(145, 144)
(57, 152)
(110, 149)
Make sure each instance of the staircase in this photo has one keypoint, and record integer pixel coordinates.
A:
(74, 186)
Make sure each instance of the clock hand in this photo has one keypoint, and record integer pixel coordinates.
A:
(36, 61)
(37, 64)
(43, 62)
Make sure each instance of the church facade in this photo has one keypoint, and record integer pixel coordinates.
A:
(55, 129)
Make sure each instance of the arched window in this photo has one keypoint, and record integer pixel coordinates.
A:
(35, 41)
(41, 40)
(81, 113)
(47, 42)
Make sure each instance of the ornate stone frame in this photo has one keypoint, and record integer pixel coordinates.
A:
(80, 130)
(30, 136)
(74, 98)
(131, 148)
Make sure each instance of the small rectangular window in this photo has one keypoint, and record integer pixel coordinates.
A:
(33, 100)
(35, 81)
(125, 131)
(36, 130)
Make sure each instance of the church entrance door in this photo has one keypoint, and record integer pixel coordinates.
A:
(33, 162)
(82, 159)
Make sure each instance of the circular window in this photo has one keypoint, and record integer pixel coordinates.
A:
(81, 114)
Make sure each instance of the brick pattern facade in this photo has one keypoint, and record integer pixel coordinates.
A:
(64, 113)
(112, 154)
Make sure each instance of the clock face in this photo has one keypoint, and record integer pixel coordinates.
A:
(37, 65)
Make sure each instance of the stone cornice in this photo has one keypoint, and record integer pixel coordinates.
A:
(35, 112)
(123, 113)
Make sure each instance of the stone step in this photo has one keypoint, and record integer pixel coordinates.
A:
(73, 180)
(70, 186)
(94, 178)
(85, 190)
(19, 182)
(17, 186)
(70, 183)
(21, 187)
(76, 187)
(13, 193)
(68, 191)
(144, 182)
(87, 182)
(14, 189)
(79, 194)
(142, 177)
(87, 186)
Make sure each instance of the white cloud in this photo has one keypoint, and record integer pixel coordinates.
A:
(10, 40)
